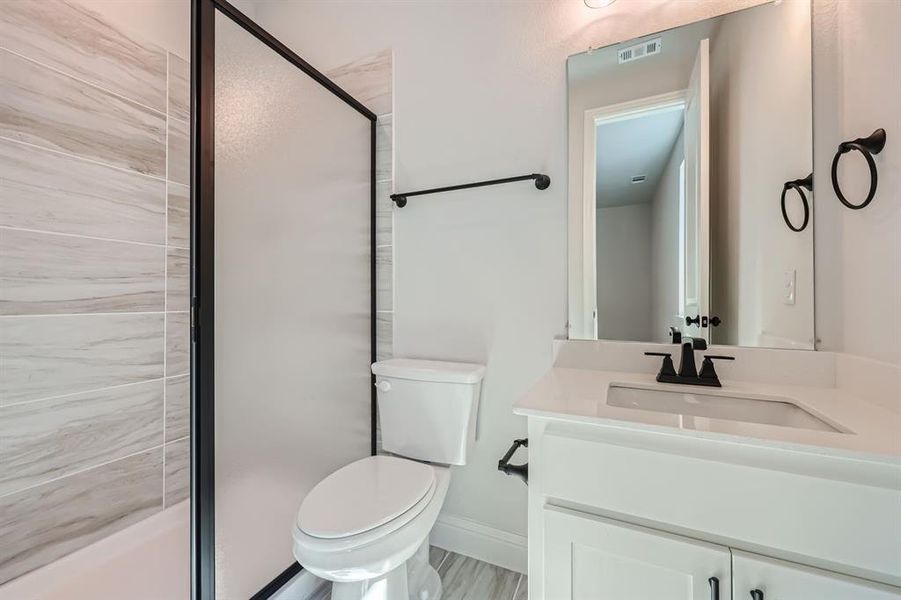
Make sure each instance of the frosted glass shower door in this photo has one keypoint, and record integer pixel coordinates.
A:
(292, 273)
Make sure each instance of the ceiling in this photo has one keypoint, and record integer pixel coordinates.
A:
(636, 146)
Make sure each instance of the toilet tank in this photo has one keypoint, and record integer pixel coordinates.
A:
(425, 407)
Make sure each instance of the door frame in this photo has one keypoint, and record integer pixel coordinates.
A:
(203, 12)
(584, 306)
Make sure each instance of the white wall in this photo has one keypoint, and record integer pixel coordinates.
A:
(760, 79)
(480, 92)
(858, 253)
(624, 272)
(665, 247)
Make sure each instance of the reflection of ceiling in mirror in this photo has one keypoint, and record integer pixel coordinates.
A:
(634, 147)
(679, 47)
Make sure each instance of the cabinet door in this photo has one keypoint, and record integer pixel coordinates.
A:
(592, 558)
(778, 580)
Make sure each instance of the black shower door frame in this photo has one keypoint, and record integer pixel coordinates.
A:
(202, 272)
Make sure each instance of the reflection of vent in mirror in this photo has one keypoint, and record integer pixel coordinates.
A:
(639, 178)
(641, 50)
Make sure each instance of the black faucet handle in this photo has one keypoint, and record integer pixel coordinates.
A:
(667, 369)
(708, 371)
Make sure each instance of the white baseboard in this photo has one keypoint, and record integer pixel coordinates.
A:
(481, 541)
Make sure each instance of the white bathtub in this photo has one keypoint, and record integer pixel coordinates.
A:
(150, 560)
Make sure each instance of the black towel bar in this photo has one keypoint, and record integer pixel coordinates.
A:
(542, 182)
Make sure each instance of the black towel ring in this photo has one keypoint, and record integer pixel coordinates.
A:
(798, 184)
(867, 146)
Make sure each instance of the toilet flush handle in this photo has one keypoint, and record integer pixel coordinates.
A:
(383, 386)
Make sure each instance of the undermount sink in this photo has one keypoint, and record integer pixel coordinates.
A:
(716, 405)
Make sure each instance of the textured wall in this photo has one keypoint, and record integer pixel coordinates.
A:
(94, 257)
(857, 86)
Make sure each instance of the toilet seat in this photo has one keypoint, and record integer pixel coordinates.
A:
(377, 551)
(374, 493)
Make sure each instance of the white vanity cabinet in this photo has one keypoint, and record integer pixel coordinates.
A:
(592, 558)
(778, 580)
(617, 514)
(588, 557)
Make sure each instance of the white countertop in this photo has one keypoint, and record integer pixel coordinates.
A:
(580, 395)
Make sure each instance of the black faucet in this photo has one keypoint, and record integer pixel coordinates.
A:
(687, 368)
(688, 372)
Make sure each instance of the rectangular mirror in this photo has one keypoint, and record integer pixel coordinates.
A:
(691, 207)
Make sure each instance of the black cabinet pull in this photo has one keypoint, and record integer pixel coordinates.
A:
(714, 588)
(756, 595)
(696, 320)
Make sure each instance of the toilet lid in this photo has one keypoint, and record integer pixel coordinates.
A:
(364, 495)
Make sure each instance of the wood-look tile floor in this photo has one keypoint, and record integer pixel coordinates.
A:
(465, 578)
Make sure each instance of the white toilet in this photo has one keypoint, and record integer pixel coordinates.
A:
(366, 526)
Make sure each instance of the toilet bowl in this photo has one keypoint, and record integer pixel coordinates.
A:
(366, 526)
(393, 504)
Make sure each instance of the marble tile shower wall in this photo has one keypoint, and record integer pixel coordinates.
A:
(93, 281)
(371, 81)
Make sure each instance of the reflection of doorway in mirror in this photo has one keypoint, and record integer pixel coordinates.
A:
(632, 154)
(680, 309)
(697, 196)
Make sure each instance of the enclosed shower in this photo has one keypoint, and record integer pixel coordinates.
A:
(188, 291)
(284, 285)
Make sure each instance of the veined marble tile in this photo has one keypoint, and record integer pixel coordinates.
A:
(384, 278)
(178, 344)
(179, 87)
(466, 578)
(47, 439)
(369, 80)
(178, 471)
(45, 273)
(41, 357)
(384, 335)
(384, 148)
(522, 592)
(178, 407)
(47, 109)
(44, 190)
(177, 272)
(77, 41)
(43, 523)
(179, 155)
(384, 215)
(179, 216)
